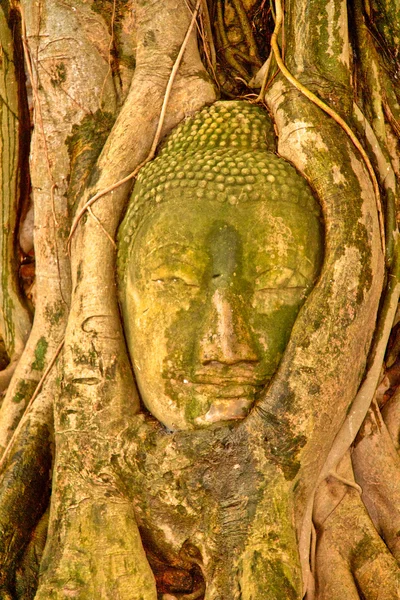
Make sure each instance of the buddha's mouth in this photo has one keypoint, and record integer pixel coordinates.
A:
(231, 397)
(219, 374)
(227, 389)
(229, 376)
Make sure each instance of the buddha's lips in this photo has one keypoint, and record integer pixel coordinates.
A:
(220, 373)
(232, 379)
(232, 389)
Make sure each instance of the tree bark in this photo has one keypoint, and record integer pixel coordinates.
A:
(99, 74)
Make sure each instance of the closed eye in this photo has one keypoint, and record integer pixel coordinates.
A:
(176, 273)
(294, 288)
(175, 280)
(268, 299)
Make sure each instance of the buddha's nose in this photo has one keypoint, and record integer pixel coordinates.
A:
(226, 337)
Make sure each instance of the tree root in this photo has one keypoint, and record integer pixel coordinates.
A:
(208, 36)
(391, 417)
(347, 544)
(377, 469)
(351, 557)
(15, 319)
(157, 135)
(25, 484)
(328, 110)
(28, 408)
(362, 401)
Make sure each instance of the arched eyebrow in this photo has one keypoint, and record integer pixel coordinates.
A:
(296, 265)
(184, 247)
(192, 256)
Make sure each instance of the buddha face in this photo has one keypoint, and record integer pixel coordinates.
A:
(212, 293)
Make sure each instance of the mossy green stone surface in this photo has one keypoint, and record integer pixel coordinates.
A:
(221, 243)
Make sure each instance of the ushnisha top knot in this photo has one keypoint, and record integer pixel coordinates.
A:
(224, 125)
(225, 152)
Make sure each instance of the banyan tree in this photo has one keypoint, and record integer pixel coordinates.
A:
(199, 286)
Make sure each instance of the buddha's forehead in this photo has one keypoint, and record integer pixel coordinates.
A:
(192, 217)
(259, 231)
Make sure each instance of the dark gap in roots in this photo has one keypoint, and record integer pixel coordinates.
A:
(23, 256)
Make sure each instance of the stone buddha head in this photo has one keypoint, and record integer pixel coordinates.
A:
(221, 244)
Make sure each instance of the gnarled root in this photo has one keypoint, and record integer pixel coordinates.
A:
(377, 469)
(351, 557)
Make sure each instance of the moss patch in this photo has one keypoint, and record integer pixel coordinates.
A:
(84, 146)
(283, 445)
(40, 354)
(25, 389)
(55, 312)
(59, 75)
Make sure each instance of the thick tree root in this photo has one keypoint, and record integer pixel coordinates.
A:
(25, 487)
(350, 555)
(102, 556)
(377, 469)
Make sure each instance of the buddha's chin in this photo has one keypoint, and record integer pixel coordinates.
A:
(226, 409)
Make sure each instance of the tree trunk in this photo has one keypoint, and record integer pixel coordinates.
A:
(98, 497)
